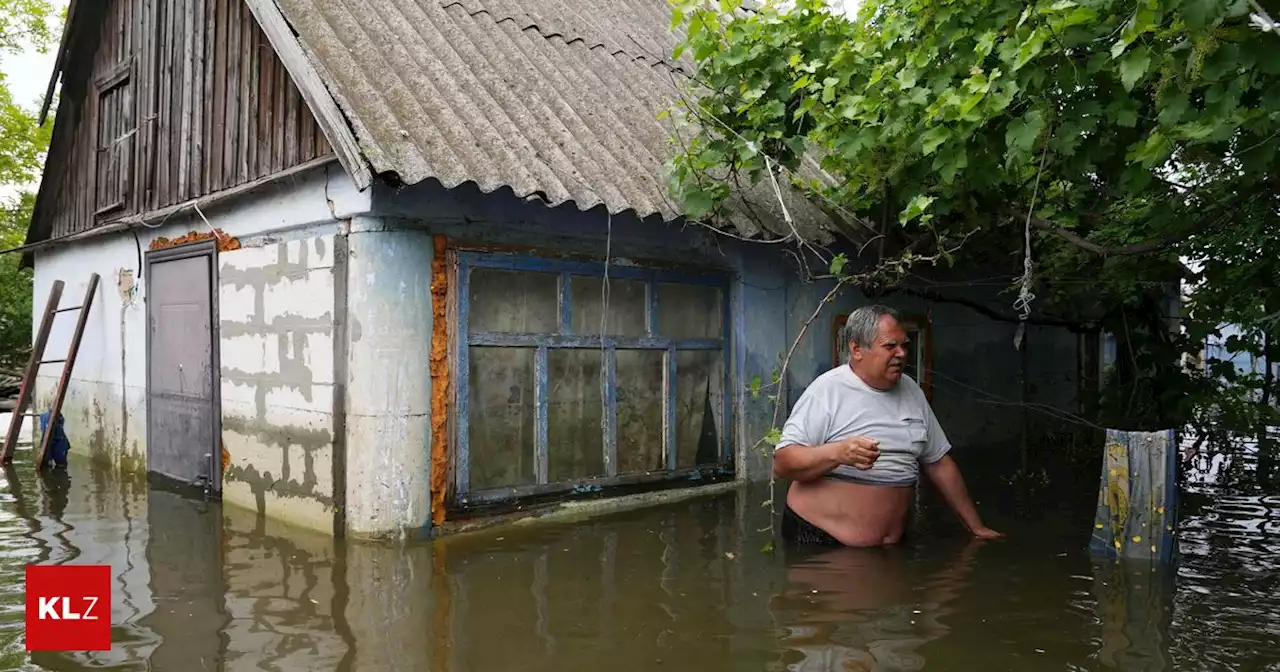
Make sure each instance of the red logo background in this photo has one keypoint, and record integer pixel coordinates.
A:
(77, 582)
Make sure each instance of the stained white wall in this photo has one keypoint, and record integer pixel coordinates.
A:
(278, 311)
(105, 407)
(388, 379)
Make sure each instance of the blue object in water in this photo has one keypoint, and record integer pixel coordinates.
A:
(1137, 515)
(59, 446)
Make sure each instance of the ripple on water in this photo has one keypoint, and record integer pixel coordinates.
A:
(1228, 598)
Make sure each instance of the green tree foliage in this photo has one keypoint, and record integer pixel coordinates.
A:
(23, 24)
(15, 283)
(1126, 136)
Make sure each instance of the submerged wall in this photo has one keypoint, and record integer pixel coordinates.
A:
(497, 222)
(105, 407)
(280, 310)
(326, 325)
(387, 380)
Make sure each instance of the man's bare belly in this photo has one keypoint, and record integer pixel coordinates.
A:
(854, 513)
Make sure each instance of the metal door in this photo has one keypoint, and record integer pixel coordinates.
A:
(182, 374)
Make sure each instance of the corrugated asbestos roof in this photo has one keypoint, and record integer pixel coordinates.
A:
(556, 99)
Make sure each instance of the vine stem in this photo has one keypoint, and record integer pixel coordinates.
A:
(782, 376)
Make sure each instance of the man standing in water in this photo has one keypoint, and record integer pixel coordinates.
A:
(857, 440)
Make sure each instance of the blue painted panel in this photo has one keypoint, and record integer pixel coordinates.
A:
(565, 339)
(566, 305)
(593, 342)
(669, 408)
(611, 412)
(593, 268)
(540, 420)
(651, 308)
(726, 402)
(740, 366)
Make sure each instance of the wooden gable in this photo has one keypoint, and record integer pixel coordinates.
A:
(162, 103)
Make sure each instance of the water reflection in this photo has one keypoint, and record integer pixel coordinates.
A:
(682, 587)
(866, 609)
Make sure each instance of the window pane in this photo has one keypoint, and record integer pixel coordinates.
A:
(626, 306)
(514, 302)
(575, 434)
(640, 446)
(699, 406)
(501, 417)
(690, 311)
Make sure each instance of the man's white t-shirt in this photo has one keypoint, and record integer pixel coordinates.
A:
(839, 405)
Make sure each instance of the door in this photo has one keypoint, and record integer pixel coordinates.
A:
(182, 376)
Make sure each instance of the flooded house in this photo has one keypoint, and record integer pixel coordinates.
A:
(385, 267)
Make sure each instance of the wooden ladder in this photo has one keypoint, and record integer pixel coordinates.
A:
(51, 311)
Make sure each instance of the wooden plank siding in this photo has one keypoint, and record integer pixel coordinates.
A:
(169, 100)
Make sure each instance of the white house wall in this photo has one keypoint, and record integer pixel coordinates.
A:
(278, 316)
(387, 379)
(105, 406)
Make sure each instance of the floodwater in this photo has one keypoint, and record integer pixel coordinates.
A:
(681, 587)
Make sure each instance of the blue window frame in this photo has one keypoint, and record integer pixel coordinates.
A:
(539, 337)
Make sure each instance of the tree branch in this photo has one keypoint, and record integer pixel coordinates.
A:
(1107, 251)
(987, 311)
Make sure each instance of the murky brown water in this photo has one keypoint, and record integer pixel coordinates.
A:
(684, 587)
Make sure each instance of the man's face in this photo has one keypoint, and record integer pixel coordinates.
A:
(881, 365)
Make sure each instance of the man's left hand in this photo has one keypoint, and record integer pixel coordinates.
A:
(982, 532)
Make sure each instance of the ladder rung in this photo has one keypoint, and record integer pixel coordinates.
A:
(68, 309)
(52, 361)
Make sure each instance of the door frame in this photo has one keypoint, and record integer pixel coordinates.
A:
(207, 248)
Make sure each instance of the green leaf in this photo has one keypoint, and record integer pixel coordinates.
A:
(1022, 132)
(829, 89)
(837, 264)
(1200, 13)
(698, 204)
(933, 137)
(1134, 66)
(755, 387)
(773, 437)
(1172, 109)
(915, 207)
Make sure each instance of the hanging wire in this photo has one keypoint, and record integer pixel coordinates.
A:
(1025, 296)
(997, 400)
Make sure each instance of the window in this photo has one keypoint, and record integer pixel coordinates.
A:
(558, 394)
(116, 129)
(919, 349)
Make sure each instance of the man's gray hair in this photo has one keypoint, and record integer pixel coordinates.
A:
(863, 323)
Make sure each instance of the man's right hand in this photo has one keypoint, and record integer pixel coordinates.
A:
(858, 452)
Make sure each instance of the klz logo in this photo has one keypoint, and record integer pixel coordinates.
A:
(49, 609)
(68, 607)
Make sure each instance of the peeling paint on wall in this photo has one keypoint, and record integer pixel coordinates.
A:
(439, 381)
(127, 287)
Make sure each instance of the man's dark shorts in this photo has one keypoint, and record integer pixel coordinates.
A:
(801, 532)
(797, 530)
